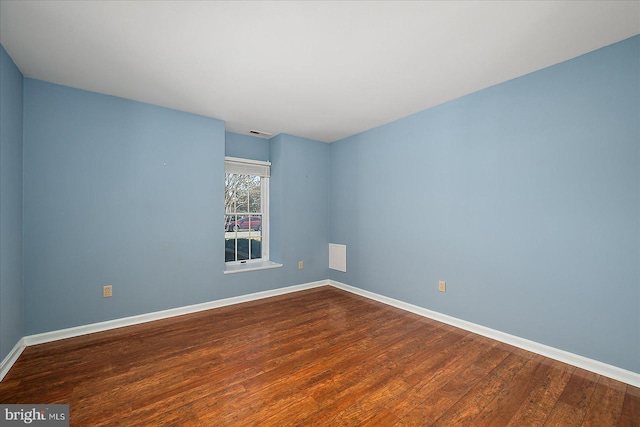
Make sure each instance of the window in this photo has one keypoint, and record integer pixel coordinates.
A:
(246, 218)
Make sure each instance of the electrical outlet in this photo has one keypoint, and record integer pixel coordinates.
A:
(107, 291)
(442, 286)
(300, 265)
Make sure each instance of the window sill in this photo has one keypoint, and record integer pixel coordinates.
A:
(253, 266)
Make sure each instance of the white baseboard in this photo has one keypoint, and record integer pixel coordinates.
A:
(592, 365)
(164, 314)
(60, 334)
(11, 358)
(601, 368)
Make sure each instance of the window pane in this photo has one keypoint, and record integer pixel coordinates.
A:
(229, 222)
(255, 203)
(230, 185)
(253, 222)
(229, 250)
(256, 248)
(242, 200)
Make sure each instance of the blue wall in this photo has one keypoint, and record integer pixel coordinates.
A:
(299, 223)
(101, 208)
(524, 197)
(299, 200)
(246, 147)
(11, 315)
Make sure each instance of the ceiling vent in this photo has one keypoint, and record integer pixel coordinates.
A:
(260, 133)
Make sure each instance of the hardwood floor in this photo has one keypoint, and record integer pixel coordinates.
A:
(321, 357)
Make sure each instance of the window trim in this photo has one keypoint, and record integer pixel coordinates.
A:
(247, 166)
(263, 169)
(252, 266)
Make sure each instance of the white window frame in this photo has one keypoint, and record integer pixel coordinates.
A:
(263, 169)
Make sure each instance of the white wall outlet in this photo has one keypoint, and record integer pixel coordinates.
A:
(442, 286)
(107, 291)
(300, 265)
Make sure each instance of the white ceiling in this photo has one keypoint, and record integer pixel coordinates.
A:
(321, 70)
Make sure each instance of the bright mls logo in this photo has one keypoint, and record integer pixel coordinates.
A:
(37, 415)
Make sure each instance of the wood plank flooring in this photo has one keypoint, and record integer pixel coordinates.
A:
(321, 357)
